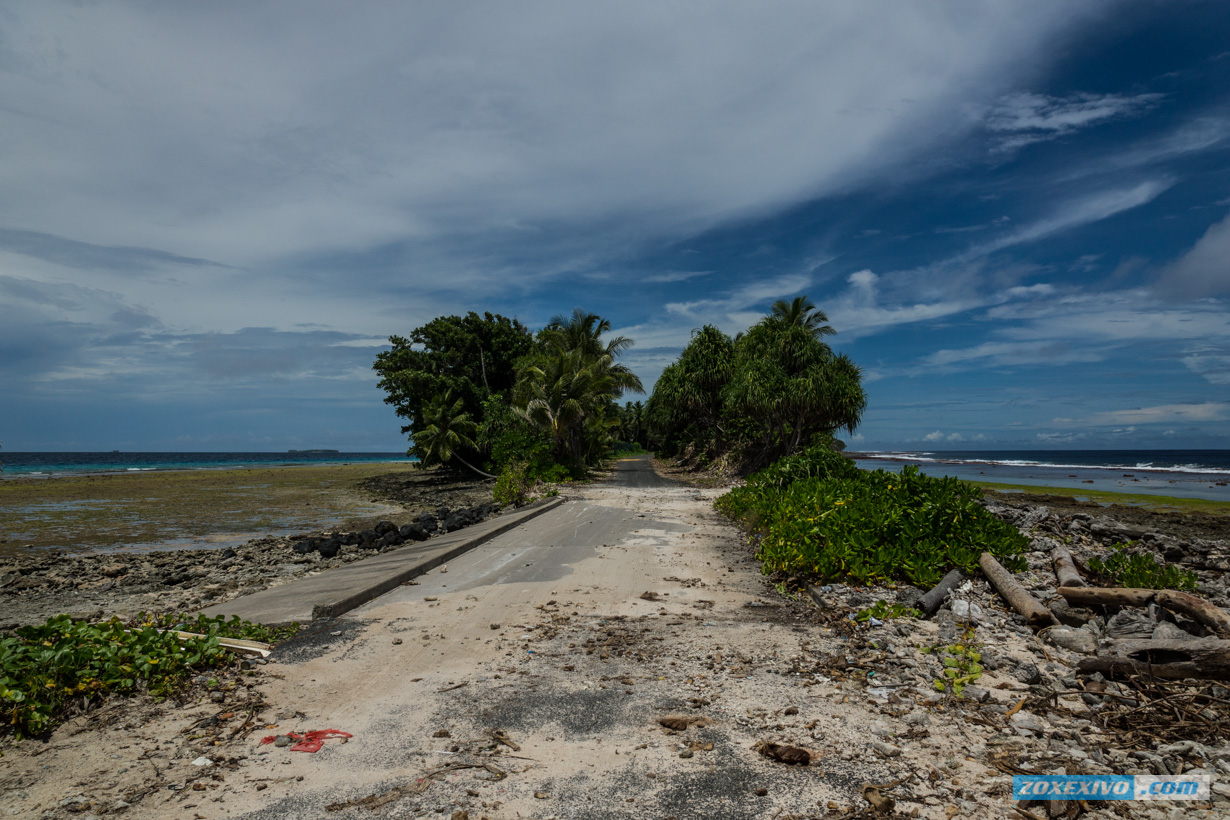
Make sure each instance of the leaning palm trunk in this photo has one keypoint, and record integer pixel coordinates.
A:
(473, 468)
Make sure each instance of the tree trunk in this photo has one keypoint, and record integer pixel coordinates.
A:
(1207, 659)
(472, 467)
(1196, 608)
(1016, 595)
(1065, 568)
(931, 602)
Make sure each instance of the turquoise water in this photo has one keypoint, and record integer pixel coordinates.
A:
(17, 464)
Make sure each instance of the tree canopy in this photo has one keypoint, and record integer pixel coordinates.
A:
(765, 394)
(482, 388)
(469, 356)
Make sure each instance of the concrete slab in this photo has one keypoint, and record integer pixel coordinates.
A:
(339, 590)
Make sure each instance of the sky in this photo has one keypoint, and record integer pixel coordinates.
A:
(213, 215)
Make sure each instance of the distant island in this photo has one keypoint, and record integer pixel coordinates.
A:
(313, 451)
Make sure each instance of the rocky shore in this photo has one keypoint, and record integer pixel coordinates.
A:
(35, 586)
(713, 642)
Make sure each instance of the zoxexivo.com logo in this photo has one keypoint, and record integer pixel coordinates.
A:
(1110, 787)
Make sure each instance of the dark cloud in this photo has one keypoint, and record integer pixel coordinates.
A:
(85, 256)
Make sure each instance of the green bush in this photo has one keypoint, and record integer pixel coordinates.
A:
(1141, 570)
(868, 527)
(45, 667)
(762, 489)
(512, 488)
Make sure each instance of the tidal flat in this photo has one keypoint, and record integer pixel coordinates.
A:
(211, 508)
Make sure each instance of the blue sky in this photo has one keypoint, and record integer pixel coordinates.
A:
(1016, 215)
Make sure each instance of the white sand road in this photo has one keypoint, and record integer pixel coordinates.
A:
(543, 637)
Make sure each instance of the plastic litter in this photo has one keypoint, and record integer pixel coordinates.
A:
(202, 761)
(310, 741)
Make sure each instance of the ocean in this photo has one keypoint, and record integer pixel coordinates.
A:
(35, 465)
(1180, 473)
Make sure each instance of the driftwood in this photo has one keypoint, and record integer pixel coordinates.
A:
(1194, 607)
(932, 601)
(1065, 568)
(1016, 595)
(1207, 658)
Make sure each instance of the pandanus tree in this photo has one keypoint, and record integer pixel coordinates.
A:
(789, 384)
(768, 391)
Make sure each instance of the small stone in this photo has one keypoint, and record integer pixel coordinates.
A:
(886, 749)
(1027, 722)
(217, 697)
(282, 741)
(762, 792)
(686, 754)
(495, 626)
(1077, 640)
(397, 642)
(260, 787)
(1027, 672)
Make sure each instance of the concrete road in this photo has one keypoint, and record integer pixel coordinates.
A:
(636, 471)
(572, 637)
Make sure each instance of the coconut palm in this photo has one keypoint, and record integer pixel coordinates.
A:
(801, 312)
(447, 428)
(567, 387)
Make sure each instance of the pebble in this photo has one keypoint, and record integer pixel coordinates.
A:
(1076, 640)
(885, 749)
(1027, 722)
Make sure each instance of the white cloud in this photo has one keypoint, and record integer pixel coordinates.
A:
(1205, 269)
(1165, 413)
(1004, 354)
(1026, 118)
(1081, 211)
(326, 128)
(936, 436)
(1210, 362)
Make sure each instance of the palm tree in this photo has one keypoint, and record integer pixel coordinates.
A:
(567, 387)
(584, 332)
(801, 312)
(448, 428)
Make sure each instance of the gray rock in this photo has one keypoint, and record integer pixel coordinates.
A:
(1027, 672)
(1166, 631)
(1130, 624)
(1077, 640)
(1027, 722)
(885, 749)
(977, 694)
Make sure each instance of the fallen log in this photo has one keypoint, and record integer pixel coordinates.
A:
(1065, 568)
(1101, 596)
(1016, 595)
(1193, 606)
(931, 602)
(1203, 658)
(1196, 608)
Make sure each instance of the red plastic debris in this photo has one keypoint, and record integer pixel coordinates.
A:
(309, 741)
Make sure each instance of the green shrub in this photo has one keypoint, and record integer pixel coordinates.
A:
(763, 488)
(1141, 570)
(512, 488)
(869, 527)
(45, 667)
